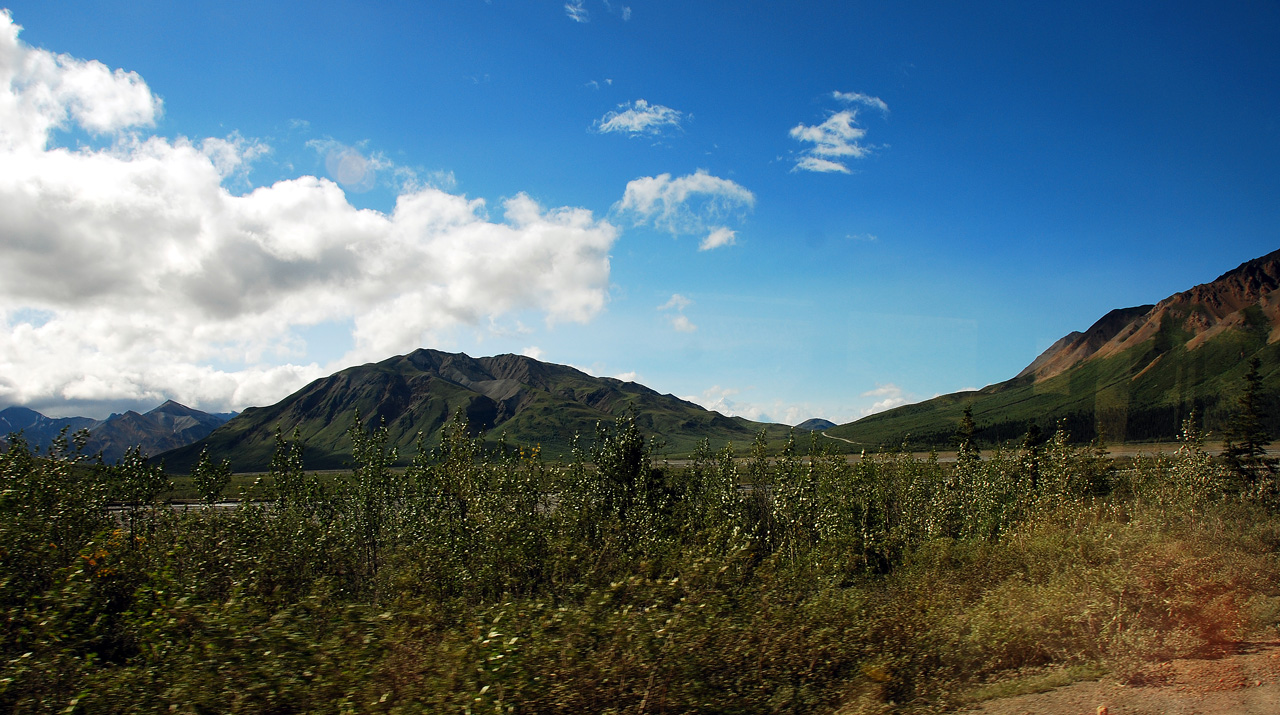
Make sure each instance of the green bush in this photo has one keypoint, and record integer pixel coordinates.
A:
(491, 581)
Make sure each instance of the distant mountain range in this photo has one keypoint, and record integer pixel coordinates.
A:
(39, 431)
(168, 426)
(527, 401)
(1134, 375)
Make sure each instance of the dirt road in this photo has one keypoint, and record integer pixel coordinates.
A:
(1246, 681)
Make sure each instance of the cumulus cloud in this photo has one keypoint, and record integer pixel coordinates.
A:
(233, 156)
(133, 274)
(717, 238)
(692, 204)
(837, 139)
(718, 399)
(890, 396)
(682, 324)
(725, 400)
(676, 305)
(638, 118)
(41, 92)
(838, 136)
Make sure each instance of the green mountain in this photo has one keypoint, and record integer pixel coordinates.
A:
(816, 424)
(528, 401)
(1133, 376)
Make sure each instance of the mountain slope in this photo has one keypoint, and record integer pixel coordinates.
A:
(166, 427)
(528, 401)
(816, 424)
(39, 431)
(1134, 375)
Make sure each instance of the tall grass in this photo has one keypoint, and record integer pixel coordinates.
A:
(477, 581)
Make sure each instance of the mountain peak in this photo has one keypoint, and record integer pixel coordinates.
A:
(1244, 295)
(1077, 347)
(171, 407)
(414, 395)
(815, 424)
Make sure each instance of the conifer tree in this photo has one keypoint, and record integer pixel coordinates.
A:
(1245, 448)
(966, 446)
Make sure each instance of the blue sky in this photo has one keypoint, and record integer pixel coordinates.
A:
(779, 210)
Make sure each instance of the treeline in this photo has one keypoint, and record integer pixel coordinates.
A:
(488, 580)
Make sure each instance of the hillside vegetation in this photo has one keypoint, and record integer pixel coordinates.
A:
(514, 397)
(483, 580)
(1134, 376)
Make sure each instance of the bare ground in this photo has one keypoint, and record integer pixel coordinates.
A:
(1246, 679)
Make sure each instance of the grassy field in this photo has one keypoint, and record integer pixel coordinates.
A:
(479, 581)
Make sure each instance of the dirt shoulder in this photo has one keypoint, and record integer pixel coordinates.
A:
(1246, 680)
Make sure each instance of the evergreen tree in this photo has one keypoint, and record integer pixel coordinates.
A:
(966, 446)
(1245, 448)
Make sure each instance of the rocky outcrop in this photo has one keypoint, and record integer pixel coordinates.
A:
(1245, 297)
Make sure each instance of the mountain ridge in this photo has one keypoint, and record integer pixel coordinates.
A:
(1206, 310)
(162, 428)
(1134, 375)
(515, 397)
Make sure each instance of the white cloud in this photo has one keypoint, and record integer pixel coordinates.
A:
(677, 302)
(859, 98)
(623, 11)
(234, 155)
(630, 376)
(682, 324)
(717, 238)
(637, 118)
(440, 179)
(133, 274)
(725, 401)
(532, 351)
(837, 136)
(715, 398)
(822, 166)
(690, 204)
(837, 139)
(42, 92)
(679, 321)
(577, 11)
(890, 396)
